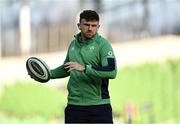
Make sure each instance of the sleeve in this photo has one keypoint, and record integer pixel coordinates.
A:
(108, 68)
(60, 72)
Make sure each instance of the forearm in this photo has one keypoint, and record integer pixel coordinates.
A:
(108, 71)
(102, 74)
(59, 72)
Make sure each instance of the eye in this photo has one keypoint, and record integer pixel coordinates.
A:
(86, 24)
(94, 25)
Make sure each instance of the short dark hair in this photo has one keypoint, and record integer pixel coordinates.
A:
(89, 15)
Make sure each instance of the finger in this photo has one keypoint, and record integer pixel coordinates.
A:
(69, 66)
(68, 63)
(70, 69)
(66, 67)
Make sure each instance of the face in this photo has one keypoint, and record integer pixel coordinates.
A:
(88, 28)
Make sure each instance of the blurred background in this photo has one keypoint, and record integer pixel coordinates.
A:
(145, 36)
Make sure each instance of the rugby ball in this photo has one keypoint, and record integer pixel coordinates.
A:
(38, 70)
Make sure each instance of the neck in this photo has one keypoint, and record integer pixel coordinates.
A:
(83, 38)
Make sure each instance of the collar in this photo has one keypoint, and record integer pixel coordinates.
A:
(78, 39)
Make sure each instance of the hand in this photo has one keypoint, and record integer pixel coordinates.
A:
(74, 65)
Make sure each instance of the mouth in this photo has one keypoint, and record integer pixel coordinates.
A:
(89, 33)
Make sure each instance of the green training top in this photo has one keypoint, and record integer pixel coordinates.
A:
(91, 86)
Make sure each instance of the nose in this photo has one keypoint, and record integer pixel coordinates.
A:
(90, 27)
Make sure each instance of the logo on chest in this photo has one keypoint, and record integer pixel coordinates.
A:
(110, 54)
(72, 48)
(91, 48)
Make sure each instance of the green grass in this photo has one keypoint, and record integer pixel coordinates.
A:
(157, 85)
(34, 120)
(32, 99)
(154, 88)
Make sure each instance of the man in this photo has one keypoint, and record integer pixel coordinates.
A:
(90, 63)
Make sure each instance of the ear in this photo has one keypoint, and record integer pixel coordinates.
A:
(98, 26)
(79, 27)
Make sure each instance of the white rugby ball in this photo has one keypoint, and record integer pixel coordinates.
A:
(38, 70)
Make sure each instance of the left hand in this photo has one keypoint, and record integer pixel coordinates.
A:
(74, 65)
